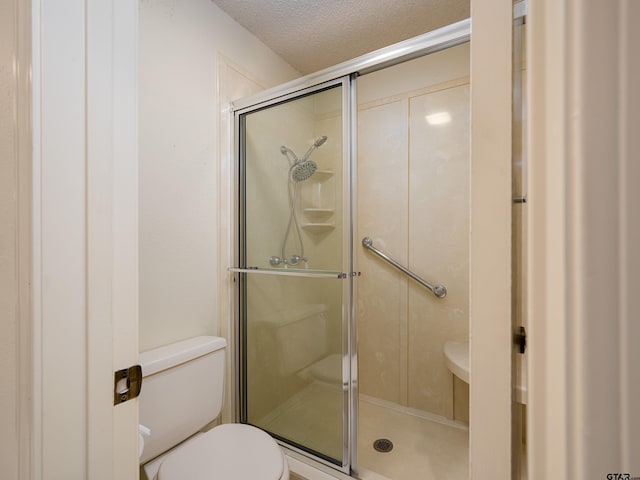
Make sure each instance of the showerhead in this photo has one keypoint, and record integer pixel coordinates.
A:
(319, 141)
(287, 152)
(303, 170)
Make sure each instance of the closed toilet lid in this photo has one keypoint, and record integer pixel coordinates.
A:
(227, 452)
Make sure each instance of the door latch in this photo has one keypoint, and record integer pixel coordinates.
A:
(127, 384)
(520, 339)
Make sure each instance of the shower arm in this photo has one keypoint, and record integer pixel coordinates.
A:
(438, 290)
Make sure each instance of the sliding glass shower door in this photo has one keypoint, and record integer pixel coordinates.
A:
(294, 270)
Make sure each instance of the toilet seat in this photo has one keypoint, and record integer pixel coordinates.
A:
(227, 452)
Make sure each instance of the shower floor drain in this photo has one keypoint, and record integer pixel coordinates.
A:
(383, 445)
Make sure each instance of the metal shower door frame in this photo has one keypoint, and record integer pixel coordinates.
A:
(345, 275)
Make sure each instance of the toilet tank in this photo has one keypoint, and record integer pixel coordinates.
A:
(182, 390)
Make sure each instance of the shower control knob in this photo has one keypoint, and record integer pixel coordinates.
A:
(274, 260)
(295, 259)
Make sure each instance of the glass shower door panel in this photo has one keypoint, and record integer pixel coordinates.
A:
(291, 258)
(294, 361)
(293, 184)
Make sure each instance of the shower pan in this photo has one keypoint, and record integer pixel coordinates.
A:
(325, 360)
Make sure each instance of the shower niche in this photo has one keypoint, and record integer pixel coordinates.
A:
(319, 203)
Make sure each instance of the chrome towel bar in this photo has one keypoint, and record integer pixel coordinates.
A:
(438, 290)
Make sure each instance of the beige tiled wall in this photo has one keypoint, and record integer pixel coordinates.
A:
(413, 202)
(383, 215)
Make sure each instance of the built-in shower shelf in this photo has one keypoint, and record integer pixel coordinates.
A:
(318, 201)
(322, 175)
(319, 213)
(319, 227)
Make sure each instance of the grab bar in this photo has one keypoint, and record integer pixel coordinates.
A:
(438, 290)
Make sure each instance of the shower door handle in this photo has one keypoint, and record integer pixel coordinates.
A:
(438, 290)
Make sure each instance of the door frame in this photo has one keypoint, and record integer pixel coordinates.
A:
(61, 31)
(584, 230)
(240, 270)
(490, 330)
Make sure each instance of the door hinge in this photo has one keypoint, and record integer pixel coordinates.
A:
(520, 339)
(127, 384)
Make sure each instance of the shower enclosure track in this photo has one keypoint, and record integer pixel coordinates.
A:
(438, 290)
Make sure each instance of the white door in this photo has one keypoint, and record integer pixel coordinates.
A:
(85, 237)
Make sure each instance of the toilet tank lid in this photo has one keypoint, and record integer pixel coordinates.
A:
(168, 356)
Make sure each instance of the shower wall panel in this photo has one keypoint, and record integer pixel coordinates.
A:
(383, 216)
(438, 241)
(413, 168)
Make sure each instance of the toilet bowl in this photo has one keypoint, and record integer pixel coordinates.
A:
(182, 391)
(230, 451)
(142, 432)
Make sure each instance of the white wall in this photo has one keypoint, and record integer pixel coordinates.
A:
(180, 47)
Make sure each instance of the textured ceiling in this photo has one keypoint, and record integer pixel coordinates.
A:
(314, 34)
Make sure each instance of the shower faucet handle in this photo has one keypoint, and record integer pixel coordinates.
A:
(274, 260)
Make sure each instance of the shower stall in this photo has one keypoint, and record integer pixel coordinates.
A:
(351, 266)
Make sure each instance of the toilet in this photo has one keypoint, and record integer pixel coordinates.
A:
(182, 392)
